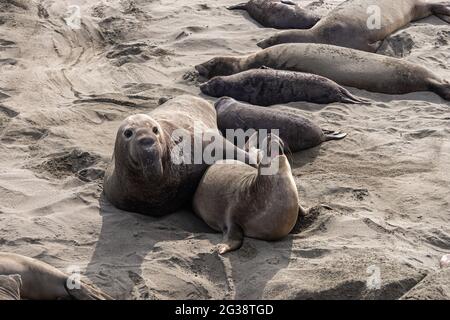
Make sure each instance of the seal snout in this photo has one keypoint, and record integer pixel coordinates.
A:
(202, 70)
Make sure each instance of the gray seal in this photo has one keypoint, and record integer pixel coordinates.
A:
(145, 176)
(362, 24)
(267, 87)
(348, 67)
(297, 132)
(278, 14)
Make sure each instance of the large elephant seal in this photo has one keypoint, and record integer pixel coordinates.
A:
(362, 24)
(278, 14)
(10, 287)
(297, 132)
(40, 281)
(239, 200)
(146, 175)
(348, 67)
(267, 87)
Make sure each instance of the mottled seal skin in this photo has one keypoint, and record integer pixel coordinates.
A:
(278, 14)
(10, 287)
(348, 24)
(40, 281)
(143, 177)
(348, 67)
(239, 200)
(297, 132)
(267, 87)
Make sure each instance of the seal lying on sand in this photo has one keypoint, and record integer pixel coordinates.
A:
(146, 175)
(353, 23)
(348, 67)
(10, 287)
(239, 200)
(278, 14)
(40, 281)
(267, 87)
(297, 132)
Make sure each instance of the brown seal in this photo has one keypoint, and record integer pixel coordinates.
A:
(348, 67)
(267, 87)
(40, 281)
(297, 132)
(278, 14)
(239, 200)
(145, 175)
(362, 24)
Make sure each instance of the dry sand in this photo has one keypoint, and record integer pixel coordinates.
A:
(63, 93)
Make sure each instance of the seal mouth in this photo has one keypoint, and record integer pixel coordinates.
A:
(202, 70)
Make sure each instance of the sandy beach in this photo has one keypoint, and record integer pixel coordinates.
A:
(65, 88)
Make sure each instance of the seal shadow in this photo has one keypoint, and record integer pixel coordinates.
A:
(124, 241)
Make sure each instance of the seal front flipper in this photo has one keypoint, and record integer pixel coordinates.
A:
(240, 6)
(86, 292)
(233, 236)
(334, 135)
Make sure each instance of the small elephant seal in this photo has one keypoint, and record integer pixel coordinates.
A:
(348, 67)
(239, 200)
(145, 175)
(297, 132)
(278, 14)
(40, 281)
(362, 24)
(10, 287)
(267, 87)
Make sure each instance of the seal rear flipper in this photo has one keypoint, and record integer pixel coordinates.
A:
(347, 97)
(240, 6)
(333, 135)
(441, 88)
(86, 292)
(441, 10)
(288, 2)
(233, 238)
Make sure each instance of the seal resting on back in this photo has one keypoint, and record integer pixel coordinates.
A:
(348, 67)
(278, 14)
(239, 200)
(40, 281)
(297, 132)
(145, 174)
(267, 87)
(353, 23)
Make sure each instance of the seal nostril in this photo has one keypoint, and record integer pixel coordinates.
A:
(146, 142)
(128, 133)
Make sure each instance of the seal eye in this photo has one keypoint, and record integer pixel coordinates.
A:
(128, 133)
(155, 130)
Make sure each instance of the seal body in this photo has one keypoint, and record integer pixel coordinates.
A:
(239, 200)
(297, 132)
(267, 87)
(278, 14)
(40, 281)
(362, 24)
(349, 67)
(145, 176)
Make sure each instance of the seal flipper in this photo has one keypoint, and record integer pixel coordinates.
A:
(86, 292)
(347, 97)
(240, 6)
(441, 10)
(232, 239)
(333, 135)
(441, 88)
(288, 2)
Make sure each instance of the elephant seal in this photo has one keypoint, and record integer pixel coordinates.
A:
(267, 87)
(10, 287)
(362, 24)
(239, 200)
(40, 281)
(297, 132)
(146, 175)
(348, 67)
(278, 14)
